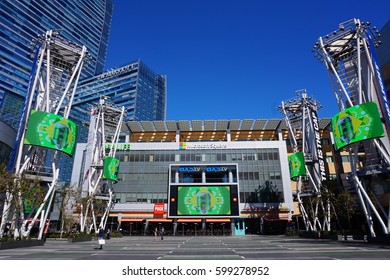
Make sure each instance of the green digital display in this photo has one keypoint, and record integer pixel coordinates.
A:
(51, 131)
(296, 163)
(203, 200)
(111, 168)
(356, 124)
(27, 206)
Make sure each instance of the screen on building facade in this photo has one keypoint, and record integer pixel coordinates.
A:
(356, 124)
(205, 200)
(111, 168)
(296, 163)
(51, 131)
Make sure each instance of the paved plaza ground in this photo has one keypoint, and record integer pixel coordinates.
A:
(253, 247)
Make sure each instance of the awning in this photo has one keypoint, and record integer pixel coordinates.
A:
(218, 220)
(189, 220)
(276, 219)
(159, 220)
(133, 215)
(130, 220)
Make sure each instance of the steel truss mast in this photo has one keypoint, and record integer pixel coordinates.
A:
(103, 136)
(349, 56)
(56, 70)
(302, 123)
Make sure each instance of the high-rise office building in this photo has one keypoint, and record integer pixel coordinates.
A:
(134, 86)
(84, 22)
(383, 52)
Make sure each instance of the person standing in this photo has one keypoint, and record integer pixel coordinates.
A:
(100, 238)
(162, 233)
(155, 233)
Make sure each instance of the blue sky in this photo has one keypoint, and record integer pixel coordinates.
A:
(233, 59)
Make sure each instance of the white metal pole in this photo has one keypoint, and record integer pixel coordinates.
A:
(68, 85)
(78, 69)
(46, 215)
(330, 64)
(48, 70)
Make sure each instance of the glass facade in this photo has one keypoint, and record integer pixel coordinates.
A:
(134, 86)
(143, 175)
(7, 142)
(156, 174)
(383, 52)
(83, 22)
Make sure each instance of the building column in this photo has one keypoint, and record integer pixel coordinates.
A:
(176, 177)
(174, 227)
(280, 135)
(233, 226)
(228, 136)
(177, 136)
(146, 226)
(230, 176)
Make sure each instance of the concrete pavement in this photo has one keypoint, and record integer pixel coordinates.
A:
(251, 247)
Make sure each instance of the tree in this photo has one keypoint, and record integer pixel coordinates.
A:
(269, 193)
(23, 196)
(346, 207)
(67, 199)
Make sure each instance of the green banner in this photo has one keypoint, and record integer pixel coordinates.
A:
(111, 168)
(203, 201)
(51, 131)
(296, 163)
(356, 124)
(27, 206)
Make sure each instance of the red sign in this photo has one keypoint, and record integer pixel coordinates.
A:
(158, 209)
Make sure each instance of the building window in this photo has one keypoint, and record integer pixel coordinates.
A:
(345, 158)
(221, 157)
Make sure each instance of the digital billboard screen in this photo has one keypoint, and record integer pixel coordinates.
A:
(51, 131)
(111, 168)
(187, 201)
(296, 163)
(356, 124)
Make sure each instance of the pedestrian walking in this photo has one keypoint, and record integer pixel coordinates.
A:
(100, 238)
(162, 231)
(155, 233)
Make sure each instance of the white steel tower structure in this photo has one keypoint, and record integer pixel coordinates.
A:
(53, 81)
(349, 56)
(302, 123)
(100, 164)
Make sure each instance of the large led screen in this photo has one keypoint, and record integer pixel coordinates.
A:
(296, 164)
(203, 201)
(187, 201)
(51, 131)
(356, 124)
(111, 168)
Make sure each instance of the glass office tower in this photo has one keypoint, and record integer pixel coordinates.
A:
(84, 22)
(383, 52)
(134, 86)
